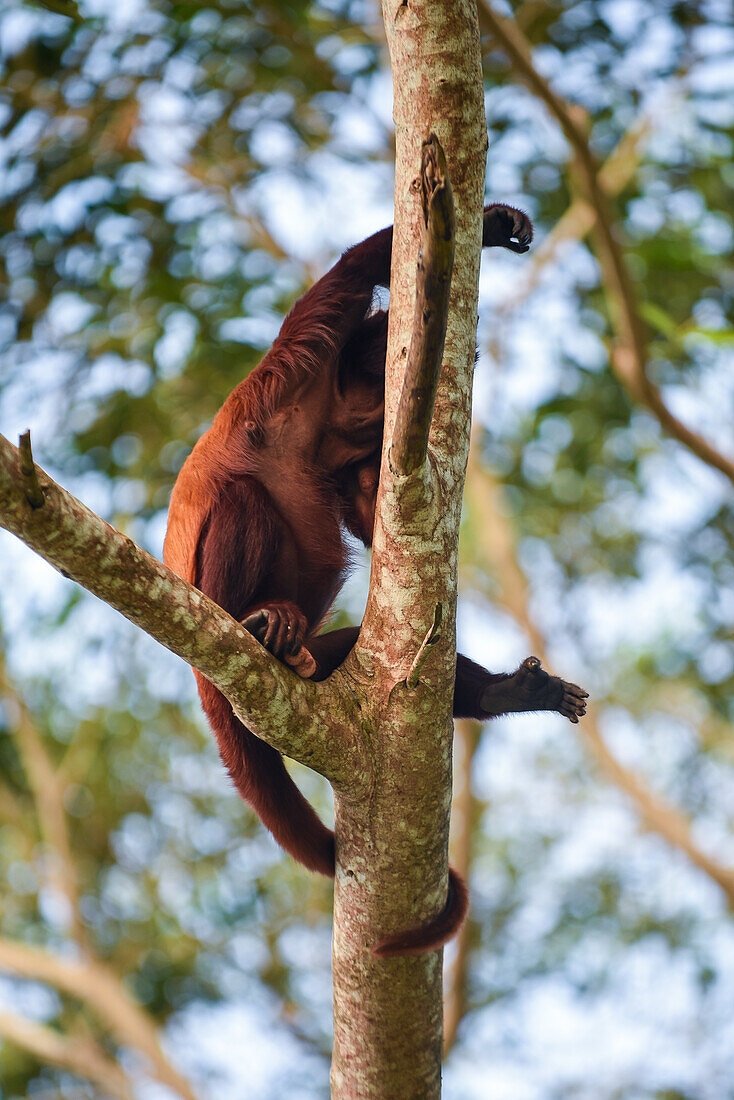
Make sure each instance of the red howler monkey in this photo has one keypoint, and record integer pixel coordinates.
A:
(256, 520)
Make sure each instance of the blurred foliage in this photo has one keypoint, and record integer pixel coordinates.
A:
(147, 253)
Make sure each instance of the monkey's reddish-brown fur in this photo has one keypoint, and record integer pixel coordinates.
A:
(256, 522)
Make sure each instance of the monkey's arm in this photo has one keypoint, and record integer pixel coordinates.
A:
(322, 320)
(506, 227)
(481, 694)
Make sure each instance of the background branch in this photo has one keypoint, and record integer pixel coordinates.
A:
(629, 357)
(47, 789)
(580, 217)
(496, 546)
(464, 813)
(102, 991)
(81, 1056)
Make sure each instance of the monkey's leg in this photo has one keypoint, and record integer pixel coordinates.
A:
(481, 694)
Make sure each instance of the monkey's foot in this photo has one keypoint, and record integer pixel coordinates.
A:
(281, 627)
(507, 227)
(531, 688)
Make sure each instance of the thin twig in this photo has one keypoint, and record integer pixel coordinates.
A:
(433, 283)
(424, 651)
(629, 358)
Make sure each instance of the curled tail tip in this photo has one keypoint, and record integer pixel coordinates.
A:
(429, 937)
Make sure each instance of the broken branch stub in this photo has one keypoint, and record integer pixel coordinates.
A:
(433, 283)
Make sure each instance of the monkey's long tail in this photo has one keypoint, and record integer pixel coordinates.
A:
(429, 937)
(262, 780)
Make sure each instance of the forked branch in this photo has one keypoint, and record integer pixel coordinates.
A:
(433, 283)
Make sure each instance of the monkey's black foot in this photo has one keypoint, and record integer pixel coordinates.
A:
(507, 227)
(281, 627)
(531, 688)
(544, 692)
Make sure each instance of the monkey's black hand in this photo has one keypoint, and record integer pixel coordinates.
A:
(281, 627)
(531, 688)
(507, 227)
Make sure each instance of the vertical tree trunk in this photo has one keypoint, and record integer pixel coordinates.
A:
(392, 846)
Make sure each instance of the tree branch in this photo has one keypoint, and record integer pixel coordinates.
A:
(629, 358)
(433, 283)
(497, 547)
(291, 714)
(81, 1056)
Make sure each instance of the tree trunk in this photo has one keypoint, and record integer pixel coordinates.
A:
(392, 847)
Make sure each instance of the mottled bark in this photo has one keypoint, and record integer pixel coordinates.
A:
(392, 852)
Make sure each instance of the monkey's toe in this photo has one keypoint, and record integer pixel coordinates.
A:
(573, 703)
(519, 230)
(279, 627)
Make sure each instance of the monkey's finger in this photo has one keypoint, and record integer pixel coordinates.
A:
(272, 631)
(517, 247)
(285, 634)
(281, 639)
(522, 227)
(256, 623)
